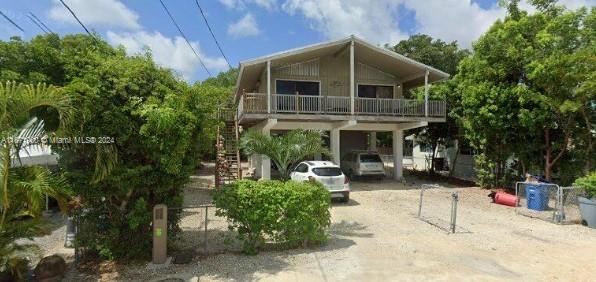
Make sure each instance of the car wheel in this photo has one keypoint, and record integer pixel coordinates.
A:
(346, 198)
(351, 174)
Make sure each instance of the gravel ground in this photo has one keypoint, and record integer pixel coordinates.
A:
(52, 242)
(374, 237)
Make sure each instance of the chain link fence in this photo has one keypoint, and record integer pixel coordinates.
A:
(548, 202)
(438, 207)
(201, 232)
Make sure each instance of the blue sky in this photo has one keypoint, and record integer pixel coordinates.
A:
(253, 28)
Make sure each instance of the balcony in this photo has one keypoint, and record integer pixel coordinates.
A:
(255, 105)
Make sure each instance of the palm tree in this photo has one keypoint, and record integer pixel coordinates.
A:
(23, 188)
(20, 128)
(285, 150)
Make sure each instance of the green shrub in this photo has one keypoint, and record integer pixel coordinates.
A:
(294, 214)
(588, 182)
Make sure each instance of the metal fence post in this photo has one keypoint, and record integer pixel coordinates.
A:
(205, 235)
(420, 203)
(455, 198)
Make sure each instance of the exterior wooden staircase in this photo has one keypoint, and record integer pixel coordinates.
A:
(227, 163)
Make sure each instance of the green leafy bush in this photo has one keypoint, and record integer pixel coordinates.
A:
(153, 127)
(588, 182)
(292, 213)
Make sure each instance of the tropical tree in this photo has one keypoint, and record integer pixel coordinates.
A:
(19, 128)
(443, 56)
(153, 125)
(285, 150)
(528, 93)
(24, 188)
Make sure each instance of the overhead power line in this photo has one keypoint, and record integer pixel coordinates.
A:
(77, 18)
(41, 22)
(12, 22)
(213, 35)
(37, 24)
(183, 36)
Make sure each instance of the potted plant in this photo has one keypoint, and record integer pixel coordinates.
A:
(587, 204)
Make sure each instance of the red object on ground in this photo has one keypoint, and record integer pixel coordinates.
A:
(505, 199)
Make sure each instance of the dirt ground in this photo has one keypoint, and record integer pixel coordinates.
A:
(377, 237)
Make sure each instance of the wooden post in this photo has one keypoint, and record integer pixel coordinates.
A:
(426, 93)
(269, 86)
(352, 77)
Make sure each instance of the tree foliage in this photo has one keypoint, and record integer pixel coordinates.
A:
(528, 93)
(153, 127)
(23, 189)
(443, 56)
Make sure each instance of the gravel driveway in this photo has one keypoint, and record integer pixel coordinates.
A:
(376, 237)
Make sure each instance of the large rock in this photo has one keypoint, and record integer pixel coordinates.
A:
(50, 269)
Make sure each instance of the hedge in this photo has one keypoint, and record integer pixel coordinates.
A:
(291, 213)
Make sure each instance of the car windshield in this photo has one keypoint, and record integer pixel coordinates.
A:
(370, 158)
(327, 171)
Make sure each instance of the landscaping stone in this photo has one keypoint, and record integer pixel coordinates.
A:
(50, 268)
(183, 257)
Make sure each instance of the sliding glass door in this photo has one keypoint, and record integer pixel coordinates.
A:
(307, 99)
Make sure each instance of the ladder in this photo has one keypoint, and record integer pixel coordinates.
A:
(227, 162)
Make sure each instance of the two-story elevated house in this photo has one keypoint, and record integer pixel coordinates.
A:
(349, 88)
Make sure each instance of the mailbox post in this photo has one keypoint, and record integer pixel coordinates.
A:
(160, 234)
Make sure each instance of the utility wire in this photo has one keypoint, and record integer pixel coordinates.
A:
(183, 36)
(41, 22)
(37, 24)
(13, 23)
(77, 18)
(213, 35)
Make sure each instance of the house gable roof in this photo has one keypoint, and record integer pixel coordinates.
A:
(410, 72)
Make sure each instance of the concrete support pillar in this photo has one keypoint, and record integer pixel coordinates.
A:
(334, 140)
(265, 161)
(398, 154)
(372, 143)
(262, 162)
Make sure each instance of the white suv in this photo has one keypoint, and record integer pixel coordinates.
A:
(327, 173)
(363, 163)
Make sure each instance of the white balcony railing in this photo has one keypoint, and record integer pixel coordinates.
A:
(338, 105)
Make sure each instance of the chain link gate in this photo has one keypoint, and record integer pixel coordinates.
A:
(562, 206)
(439, 213)
(202, 232)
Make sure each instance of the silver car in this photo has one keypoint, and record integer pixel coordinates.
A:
(363, 163)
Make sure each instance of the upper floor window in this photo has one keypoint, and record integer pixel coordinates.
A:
(292, 87)
(375, 91)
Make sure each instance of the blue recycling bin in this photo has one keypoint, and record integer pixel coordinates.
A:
(537, 195)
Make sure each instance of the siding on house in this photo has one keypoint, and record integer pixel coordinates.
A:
(333, 72)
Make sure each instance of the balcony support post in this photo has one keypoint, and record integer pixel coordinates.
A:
(268, 86)
(426, 93)
(372, 145)
(398, 153)
(352, 92)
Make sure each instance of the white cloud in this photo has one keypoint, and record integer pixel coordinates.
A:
(246, 26)
(372, 20)
(267, 4)
(104, 13)
(241, 4)
(450, 20)
(171, 53)
(461, 20)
